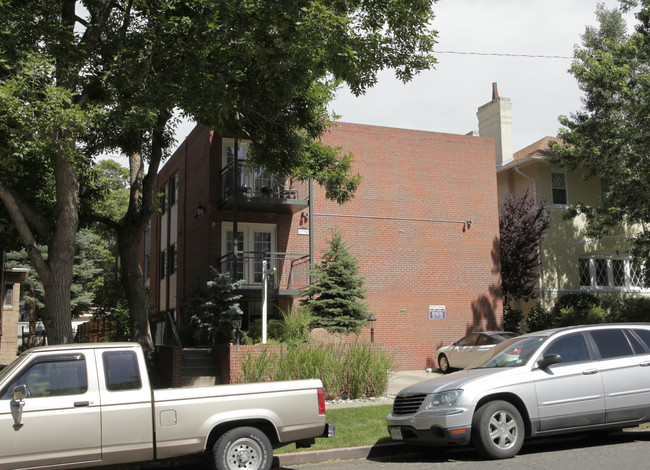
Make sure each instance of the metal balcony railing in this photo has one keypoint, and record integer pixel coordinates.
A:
(261, 184)
(291, 269)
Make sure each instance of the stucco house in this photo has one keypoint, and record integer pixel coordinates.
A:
(570, 261)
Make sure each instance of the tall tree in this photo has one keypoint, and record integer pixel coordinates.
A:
(335, 297)
(610, 135)
(123, 69)
(522, 226)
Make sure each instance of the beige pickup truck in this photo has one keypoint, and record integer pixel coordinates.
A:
(74, 406)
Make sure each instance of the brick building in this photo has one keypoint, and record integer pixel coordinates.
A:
(423, 226)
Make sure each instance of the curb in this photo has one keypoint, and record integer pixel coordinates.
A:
(346, 453)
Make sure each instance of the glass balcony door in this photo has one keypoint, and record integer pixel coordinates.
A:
(255, 244)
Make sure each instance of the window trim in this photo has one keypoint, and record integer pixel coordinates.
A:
(611, 285)
(565, 188)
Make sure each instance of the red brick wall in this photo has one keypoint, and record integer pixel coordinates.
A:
(404, 230)
(170, 366)
(238, 355)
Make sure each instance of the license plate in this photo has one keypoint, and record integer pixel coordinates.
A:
(396, 433)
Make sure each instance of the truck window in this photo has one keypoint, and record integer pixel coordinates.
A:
(121, 370)
(52, 377)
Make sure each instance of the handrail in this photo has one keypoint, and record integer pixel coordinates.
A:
(175, 331)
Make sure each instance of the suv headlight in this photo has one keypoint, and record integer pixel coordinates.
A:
(443, 399)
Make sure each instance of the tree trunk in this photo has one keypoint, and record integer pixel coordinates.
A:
(133, 282)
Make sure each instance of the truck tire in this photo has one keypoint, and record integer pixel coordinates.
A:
(498, 430)
(244, 447)
(443, 364)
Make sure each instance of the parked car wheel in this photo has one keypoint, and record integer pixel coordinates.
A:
(443, 364)
(244, 447)
(498, 430)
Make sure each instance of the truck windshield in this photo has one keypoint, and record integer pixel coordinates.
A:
(512, 353)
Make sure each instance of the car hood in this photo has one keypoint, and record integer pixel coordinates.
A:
(452, 381)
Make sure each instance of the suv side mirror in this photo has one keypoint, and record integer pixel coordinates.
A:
(549, 360)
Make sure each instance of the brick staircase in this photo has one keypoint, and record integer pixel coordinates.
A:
(200, 368)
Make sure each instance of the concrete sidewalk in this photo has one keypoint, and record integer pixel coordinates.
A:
(397, 382)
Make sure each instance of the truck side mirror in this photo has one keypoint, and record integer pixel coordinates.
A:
(549, 360)
(20, 392)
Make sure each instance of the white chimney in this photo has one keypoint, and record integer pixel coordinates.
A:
(495, 120)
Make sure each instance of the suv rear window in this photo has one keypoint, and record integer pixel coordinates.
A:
(612, 343)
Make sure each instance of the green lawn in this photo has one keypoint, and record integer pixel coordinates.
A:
(359, 426)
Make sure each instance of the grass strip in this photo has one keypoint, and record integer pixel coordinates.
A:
(355, 427)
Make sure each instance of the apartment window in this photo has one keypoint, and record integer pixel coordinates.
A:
(559, 189)
(173, 190)
(604, 272)
(173, 259)
(163, 264)
(163, 199)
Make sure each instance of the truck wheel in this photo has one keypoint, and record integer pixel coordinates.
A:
(443, 363)
(244, 447)
(498, 430)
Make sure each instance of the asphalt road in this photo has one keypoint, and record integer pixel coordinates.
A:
(588, 451)
(626, 450)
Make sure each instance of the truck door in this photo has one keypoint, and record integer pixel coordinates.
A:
(127, 422)
(58, 421)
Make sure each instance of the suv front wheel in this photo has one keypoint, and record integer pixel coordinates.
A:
(498, 430)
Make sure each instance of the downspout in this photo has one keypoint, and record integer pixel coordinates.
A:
(539, 251)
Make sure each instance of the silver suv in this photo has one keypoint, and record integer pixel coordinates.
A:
(543, 383)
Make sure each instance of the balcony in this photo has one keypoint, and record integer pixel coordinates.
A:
(291, 270)
(260, 191)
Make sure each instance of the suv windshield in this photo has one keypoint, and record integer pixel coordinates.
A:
(514, 352)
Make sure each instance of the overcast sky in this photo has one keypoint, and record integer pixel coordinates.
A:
(446, 99)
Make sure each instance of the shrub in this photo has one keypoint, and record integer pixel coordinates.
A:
(347, 371)
(577, 301)
(578, 309)
(632, 309)
(512, 318)
(539, 319)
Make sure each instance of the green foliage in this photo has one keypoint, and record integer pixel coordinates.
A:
(293, 328)
(578, 309)
(576, 301)
(334, 298)
(609, 135)
(88, 277)
(118, 324)
(632, 309)
(539, 319)
(347, 371)
(215, 310)
(78, 79)
(512, 318)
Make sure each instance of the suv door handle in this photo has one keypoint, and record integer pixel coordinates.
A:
(645, 364)
(589, 371)
(78, 404)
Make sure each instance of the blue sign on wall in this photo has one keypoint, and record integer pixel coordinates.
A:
(437, 312)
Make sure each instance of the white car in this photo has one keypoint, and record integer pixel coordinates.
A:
(464, 351)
